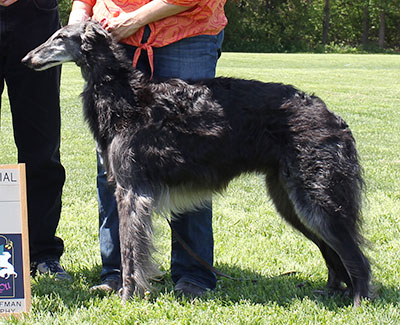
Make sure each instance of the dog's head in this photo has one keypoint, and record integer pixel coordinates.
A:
(70, 43)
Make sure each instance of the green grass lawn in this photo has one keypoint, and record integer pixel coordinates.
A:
(251, 241)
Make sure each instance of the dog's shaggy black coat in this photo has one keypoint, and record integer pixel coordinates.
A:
(168, 145)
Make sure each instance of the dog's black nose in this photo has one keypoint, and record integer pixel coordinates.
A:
(27, 60)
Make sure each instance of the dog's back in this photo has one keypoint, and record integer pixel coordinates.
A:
(222, 127)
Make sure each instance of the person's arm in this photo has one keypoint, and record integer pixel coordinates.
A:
(80, 11)
(6, 3)
(127, 24)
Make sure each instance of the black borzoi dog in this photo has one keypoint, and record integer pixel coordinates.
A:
(168, 145)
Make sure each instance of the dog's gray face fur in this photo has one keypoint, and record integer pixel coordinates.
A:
(62, 46)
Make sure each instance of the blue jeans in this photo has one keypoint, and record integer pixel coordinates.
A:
(191, 58)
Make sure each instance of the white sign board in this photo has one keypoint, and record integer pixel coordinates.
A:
(15, 288)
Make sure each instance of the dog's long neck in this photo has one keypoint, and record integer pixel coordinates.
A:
(110, 89)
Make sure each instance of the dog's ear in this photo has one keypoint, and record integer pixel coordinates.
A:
(93, 34)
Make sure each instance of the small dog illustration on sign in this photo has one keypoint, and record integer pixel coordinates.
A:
(6, 268)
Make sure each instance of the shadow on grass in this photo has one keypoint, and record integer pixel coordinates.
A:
(250, 287)
(281, 289)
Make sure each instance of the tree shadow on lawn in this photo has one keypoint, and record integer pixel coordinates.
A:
(249, 287)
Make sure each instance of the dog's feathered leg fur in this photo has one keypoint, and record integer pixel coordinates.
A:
(135, 228)
(135, 202)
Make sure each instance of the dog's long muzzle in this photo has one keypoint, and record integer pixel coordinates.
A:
(51, 53)
(36, 61)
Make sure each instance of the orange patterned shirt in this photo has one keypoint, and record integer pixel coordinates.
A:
(206, 17)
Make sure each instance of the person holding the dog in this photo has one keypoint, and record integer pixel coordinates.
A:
(35, 109)
(165, 39)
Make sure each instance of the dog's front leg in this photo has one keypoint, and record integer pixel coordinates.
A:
(135, 231)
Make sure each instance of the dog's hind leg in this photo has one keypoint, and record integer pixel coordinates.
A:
(341, 240)
(336, 270)
(334, 222)
(135, 231)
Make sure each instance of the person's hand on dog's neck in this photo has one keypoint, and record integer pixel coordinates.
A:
(126, 24)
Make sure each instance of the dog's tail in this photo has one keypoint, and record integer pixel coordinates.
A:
(322, 155)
